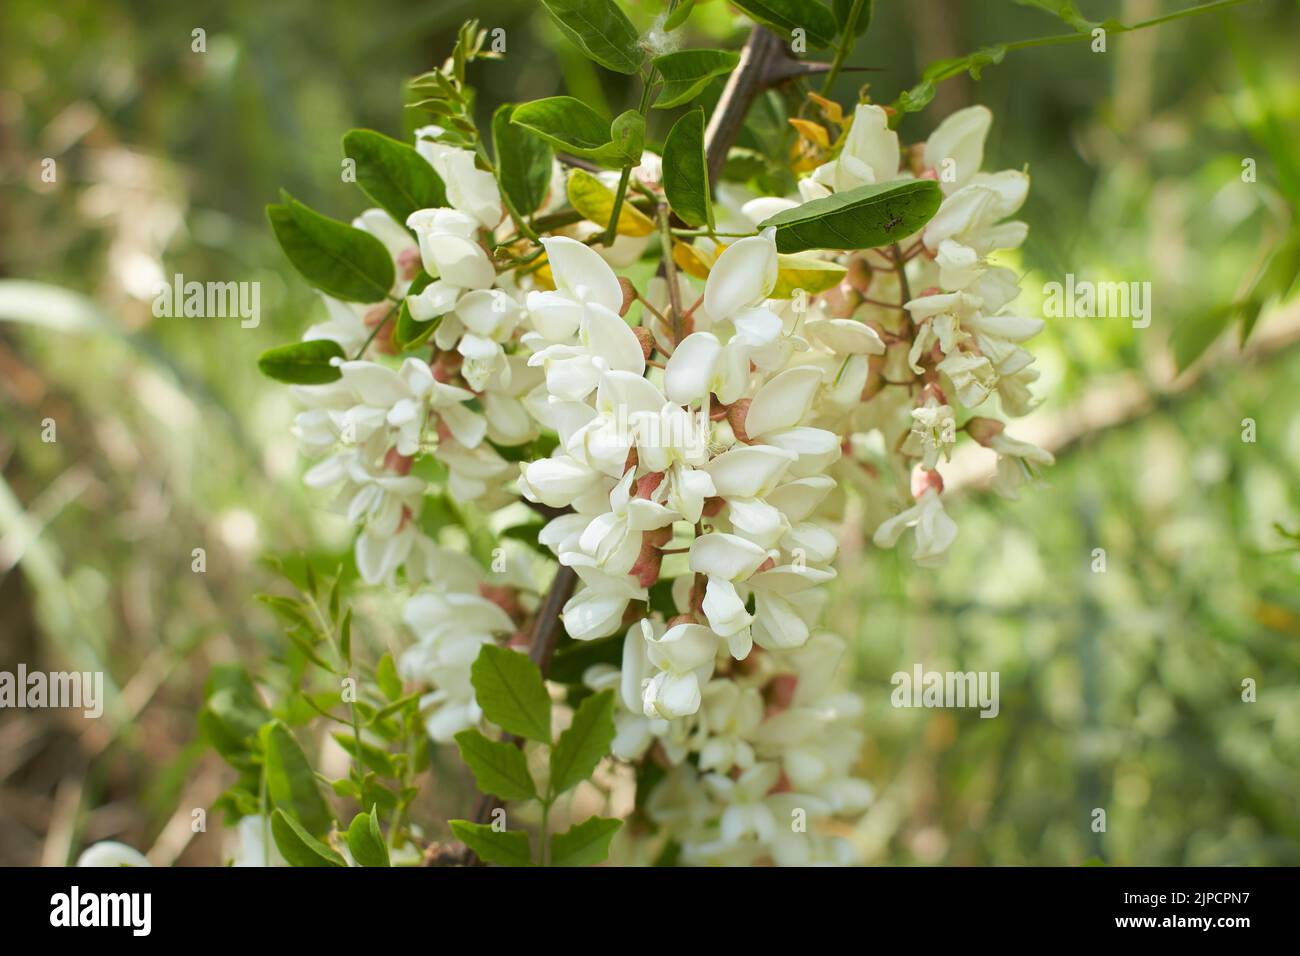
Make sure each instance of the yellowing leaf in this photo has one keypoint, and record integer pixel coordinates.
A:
(830, 109)
(595, 201)
(694, 261)
(812, 132)
(543, 277)
(808, 273)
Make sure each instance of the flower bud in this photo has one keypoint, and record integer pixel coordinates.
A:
(984, 430)
(629, 294)
(923, 481)
(737, 412)
(409, 263)
(401, 464)
(646, 338)
(859, 275)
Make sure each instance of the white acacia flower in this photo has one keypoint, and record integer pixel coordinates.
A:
(870, 155)
(935, 531)
(605, 343)
(726, 559)
(597, 608)
(684, 656)
(1017, 461)
(451, 628)
(450, 249)
(612, 541)
(955, 150)
(111, 853)
(729, 717)
(470, 190)
(933, 434)
(748, 815)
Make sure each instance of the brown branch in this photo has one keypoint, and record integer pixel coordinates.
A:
(764, 62)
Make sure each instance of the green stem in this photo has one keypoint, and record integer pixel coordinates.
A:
(643, 107)
(266, 817)
(1124, 28)
(611, 230)
(848, 40)
(542, 853)
(670, 274)
(714, 233)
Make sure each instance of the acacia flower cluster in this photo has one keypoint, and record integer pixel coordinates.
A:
(692, 446)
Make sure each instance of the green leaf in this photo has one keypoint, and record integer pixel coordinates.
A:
(571, 125)
(290, 780)
(1276, 281)
(366, 840)
(584, 844)
(920, 95)
(581, 747)
(394, 174)
(862, 218)
(503, 847)
(1194, 334)
(600, 30)
(341, 261)
(687, 72)
(232, 715)
(679, 15)
(786, 16)
(376, 758)
(686, 171)
(628, 132)
(390, 685)
(302, 363)
(523, 162)
(1065, 10)
(345, 637)
(499, 767)
(297, 846)
(842, 10)
(510, 689)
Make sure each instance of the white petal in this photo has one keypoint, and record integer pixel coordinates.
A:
(847, 337)
(580, 272)
(743, 276)
(784, 401)
(612, 340)
(747, 470)
(872, 143)
(960, 139)
(688, 374)
(726, 556)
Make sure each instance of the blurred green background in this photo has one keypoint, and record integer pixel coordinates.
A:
(1120, 690)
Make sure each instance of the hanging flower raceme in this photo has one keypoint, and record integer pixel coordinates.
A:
(684, 450)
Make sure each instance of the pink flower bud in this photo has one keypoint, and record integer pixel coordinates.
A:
(401, 464)
(409, 263)
(923, 481)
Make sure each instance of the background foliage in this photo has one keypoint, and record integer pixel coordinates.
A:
(1119, 690)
